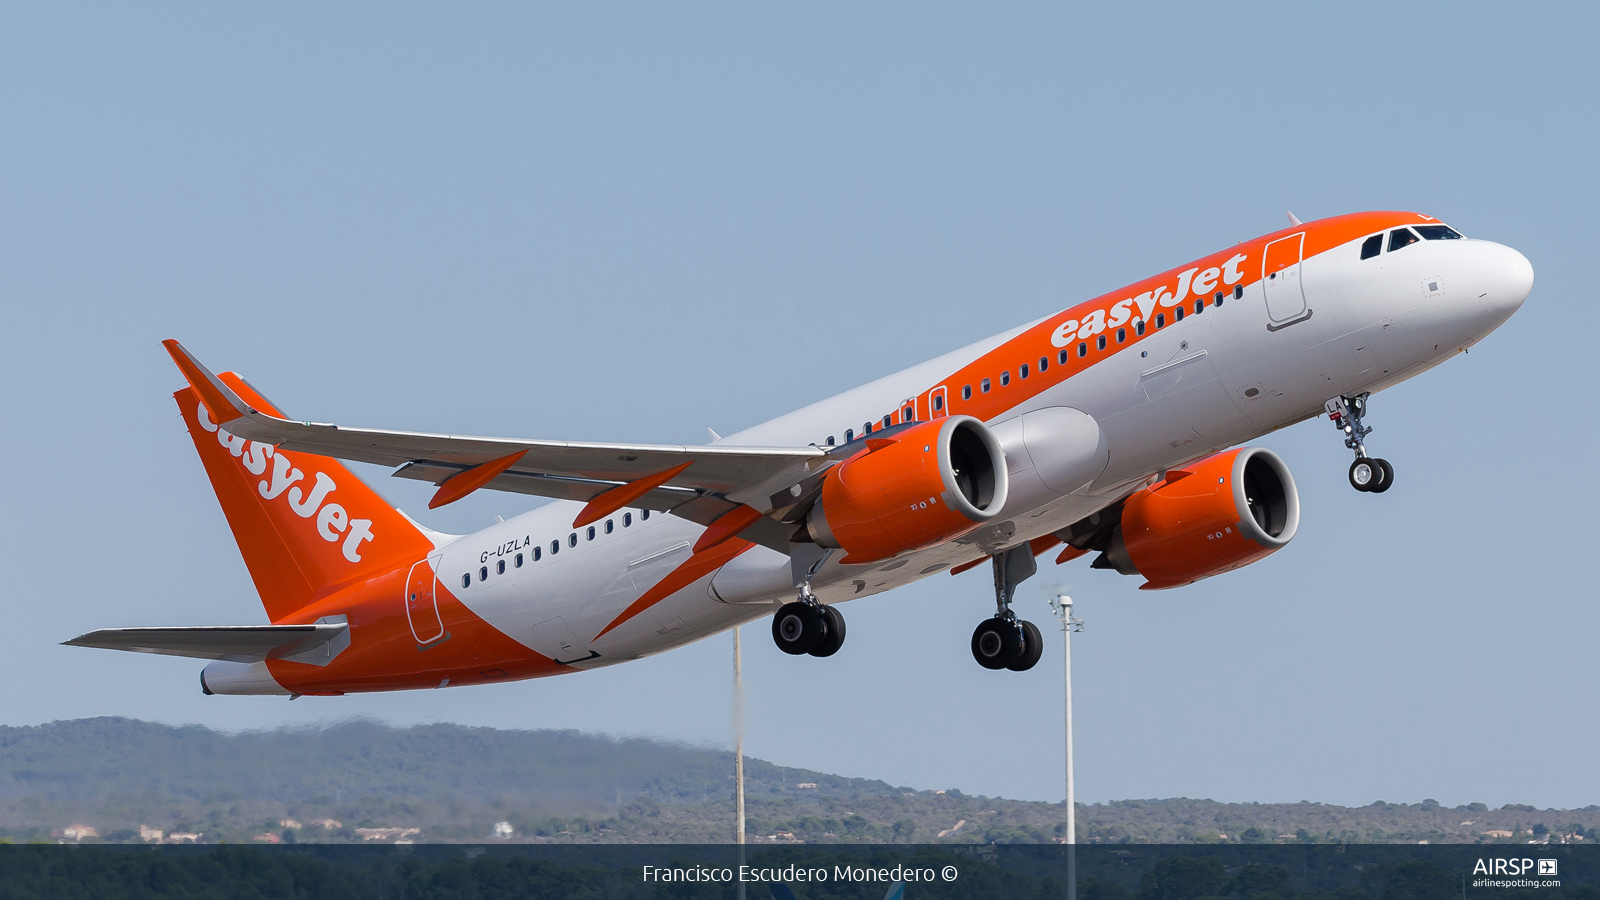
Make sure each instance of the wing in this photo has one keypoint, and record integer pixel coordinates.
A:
(235, 643)
(700, 483)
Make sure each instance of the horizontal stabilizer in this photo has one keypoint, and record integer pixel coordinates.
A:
(235, 643)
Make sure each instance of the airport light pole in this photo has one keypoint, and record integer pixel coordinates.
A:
(738, 752)
(1061, 606)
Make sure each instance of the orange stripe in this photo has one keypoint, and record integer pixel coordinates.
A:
(691, 570)
(463, 483)
(728, 526)
(1321, 235)
(610, 501)
(1040, 544)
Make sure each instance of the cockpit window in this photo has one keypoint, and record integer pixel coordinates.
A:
(1401, 237)
(1372, 246)
(1439, 232)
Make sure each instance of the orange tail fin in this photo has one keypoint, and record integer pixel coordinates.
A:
(305, 524)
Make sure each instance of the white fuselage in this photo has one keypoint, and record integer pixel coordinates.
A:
(1196, 386)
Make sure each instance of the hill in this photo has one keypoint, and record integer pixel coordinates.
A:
(454, 783)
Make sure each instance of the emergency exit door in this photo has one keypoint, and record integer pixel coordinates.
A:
(422, 603)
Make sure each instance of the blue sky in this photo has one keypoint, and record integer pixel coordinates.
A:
(634, 222)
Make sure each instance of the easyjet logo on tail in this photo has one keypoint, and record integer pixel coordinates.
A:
(1201, 281)
(333, 522)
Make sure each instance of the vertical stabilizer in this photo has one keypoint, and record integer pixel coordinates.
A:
(305, 524)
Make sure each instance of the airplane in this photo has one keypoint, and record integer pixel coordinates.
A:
(1117, 427)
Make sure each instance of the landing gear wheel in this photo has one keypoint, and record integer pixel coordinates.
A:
(799, 627)
(1032, 648)
(1387, 479)
(834, 639)
(997, 643)
(1365, 474)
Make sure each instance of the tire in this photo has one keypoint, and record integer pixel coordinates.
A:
(1032, 648)
(996, 643)
(798, 627)
(1364, 473)
(1388, 476)
(830, 643)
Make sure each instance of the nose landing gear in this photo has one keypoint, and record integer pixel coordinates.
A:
(1005, 641)
(1368, 475)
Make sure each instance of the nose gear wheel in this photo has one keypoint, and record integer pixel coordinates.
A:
(1368, 475)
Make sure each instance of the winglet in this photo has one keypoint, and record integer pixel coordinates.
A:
(220, 400)
(463, 483)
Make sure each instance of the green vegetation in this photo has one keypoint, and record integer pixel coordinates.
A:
(454, 783)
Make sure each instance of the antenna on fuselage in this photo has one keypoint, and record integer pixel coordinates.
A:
(1292, 219)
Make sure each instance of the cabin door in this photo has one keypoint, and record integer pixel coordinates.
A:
(1280, 280)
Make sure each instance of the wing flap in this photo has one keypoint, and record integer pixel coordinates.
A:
(235, 643)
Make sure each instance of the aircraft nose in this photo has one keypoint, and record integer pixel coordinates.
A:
(1507, 279)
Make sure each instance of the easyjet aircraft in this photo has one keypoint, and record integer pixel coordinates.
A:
(1101, 429)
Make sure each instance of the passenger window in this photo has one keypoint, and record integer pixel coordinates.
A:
(500, 567)
(1177, 314)
(519, 560)
(938, 400)
(555, 547)
(888, 420)
(1138, 327)
(1122, 335)
(1100, 342)
(830, 440)
(645, 514)
(908, 414)
(984, 386)
(849, 435)
(483, 574)
(866, 428)
(1044, 363)
(466, 580)
(1161, 320)
(1198, 306)
(1083, 350)
(572, 539)
(1024, 371)
(1005, 378)
(537, 552)
(627, 518)
(589, 535)
(1062, 357)
(1217, 300)
(610, 527)
(1401, 237)
(966, 392)
(1438, 232)
(1238, 292)
(1372, 246)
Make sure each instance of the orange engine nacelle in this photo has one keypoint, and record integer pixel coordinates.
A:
(909, 489)
(1213, 516)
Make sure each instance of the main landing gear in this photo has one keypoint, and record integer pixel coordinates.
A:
(1369, 475)
(1005, 641)
(807, 626)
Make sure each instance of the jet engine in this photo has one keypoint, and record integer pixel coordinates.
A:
(1210, 517)
(909, 489)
